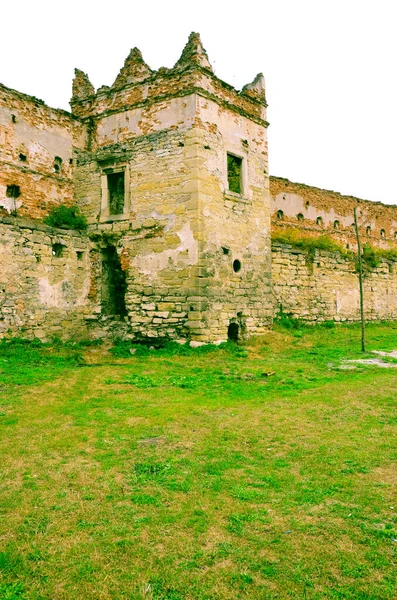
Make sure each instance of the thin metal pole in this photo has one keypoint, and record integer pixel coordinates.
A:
(360, 278)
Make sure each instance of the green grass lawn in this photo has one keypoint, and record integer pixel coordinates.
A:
(253, 472)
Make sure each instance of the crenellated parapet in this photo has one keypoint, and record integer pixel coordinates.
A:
(316, 212)
(134, 70)
(82, 87)
(139, 86)
(194, 54)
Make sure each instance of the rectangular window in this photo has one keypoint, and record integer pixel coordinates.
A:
(115, 182)
(234, 173)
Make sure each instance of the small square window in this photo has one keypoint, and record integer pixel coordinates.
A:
(57, 249)
(116, 194)
(234, 173)
(13, 191)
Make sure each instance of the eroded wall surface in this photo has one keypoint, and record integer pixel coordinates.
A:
(44, 281)
(157, 239)
(170, 133)
(325, 286)
(235, 226)
(317, 212)
(36, 153)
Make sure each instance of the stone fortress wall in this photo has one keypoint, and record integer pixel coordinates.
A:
(172, 251)
(36, 154)
(318, 212)
(170, 169)
(323, 285)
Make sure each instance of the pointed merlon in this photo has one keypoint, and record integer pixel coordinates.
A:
(256, 89)
(194, 53)
(135, 69)
(82, 86)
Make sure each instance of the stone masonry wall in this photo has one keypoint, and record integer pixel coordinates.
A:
(44, 281)
(322, 212)
(171, 250)
(235, 226)
(157, 238)
(36, 154)
(325, 287)
(169, 132)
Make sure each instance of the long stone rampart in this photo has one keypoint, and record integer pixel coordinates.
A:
(322, 286)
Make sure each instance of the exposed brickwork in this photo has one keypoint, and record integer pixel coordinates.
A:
(171, 131)
(331, 213)
(170, 251)
(31, 136)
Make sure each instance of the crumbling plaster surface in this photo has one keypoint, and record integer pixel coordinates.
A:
(152, 263)
(195, 257)
(42, 295)
(39, 133)
(310, 202)
(177, 113)
(233, 226)
(325, 287)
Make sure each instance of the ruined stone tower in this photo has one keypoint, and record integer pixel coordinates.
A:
(174, 182)
(170, 170)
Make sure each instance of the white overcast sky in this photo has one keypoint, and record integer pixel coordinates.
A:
(330, 69)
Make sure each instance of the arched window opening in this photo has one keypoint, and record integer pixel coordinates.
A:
(57, 164)
(236, 266)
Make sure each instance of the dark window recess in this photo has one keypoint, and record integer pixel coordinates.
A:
(232, 332)
(80, 254)
(13, 191)
(279, 214)
(225, 250)
(13, 118)
(234, 167)
(382, 233)
(319, 221)
(57, 164)
(336, 224)
(116, 193)
(236, 266)
(113, 283)
(57, 249)
(300, 217)
(22, 157)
